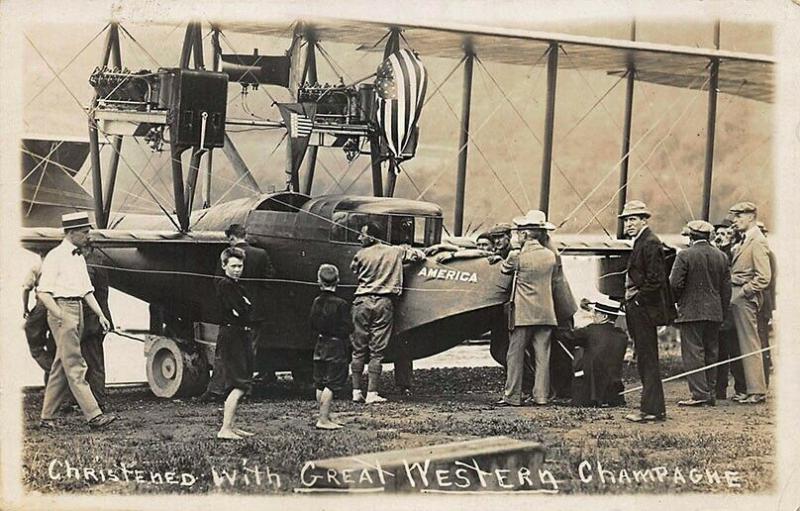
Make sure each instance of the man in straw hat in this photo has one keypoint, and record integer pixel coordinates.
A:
(750, 276)
(701, 285)
(63, 288)
(598, 362)
(648, 304)
(534, 311)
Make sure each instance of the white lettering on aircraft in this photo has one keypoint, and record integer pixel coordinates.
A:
(443, 274)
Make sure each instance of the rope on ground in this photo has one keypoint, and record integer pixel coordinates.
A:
(701, 369)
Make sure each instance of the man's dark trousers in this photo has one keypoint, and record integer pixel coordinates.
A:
(699, 348)
(645, 340)
(729, 348)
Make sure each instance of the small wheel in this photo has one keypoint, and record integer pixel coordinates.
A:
(172, 371)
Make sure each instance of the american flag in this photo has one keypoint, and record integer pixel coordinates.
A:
(299, 125)
(400, 83)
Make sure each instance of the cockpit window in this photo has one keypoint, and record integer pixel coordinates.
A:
(394, 229)
(402, 230)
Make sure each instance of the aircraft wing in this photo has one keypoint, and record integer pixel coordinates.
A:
(48, 186)
(742, 74)
(45, 238)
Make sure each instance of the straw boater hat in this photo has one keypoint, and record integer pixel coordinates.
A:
(534, 219)
(607, 306)
(698, 228)
(635, 208)
(74, 221)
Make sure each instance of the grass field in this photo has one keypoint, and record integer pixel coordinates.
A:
(160, 437)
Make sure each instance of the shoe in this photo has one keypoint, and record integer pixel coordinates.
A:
(645, 417)
(373, 397)
(210, 397)
(540, 402)
(693, 402)
(738, 397)
(753, 399)
(358, 396)
(405, 391)
(503, 402)
(102, 420)
(48, 424)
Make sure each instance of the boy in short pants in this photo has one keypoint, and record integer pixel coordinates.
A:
(332, 325)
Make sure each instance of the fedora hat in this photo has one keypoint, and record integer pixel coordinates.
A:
(534, 219)
(607, 306)
(635, 208)
(73, 221)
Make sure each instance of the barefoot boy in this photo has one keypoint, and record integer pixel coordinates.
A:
(233, 340)
(331, 323)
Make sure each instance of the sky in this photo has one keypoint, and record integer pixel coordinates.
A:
(504, 154)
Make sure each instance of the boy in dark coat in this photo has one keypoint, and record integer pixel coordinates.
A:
(331, 323)
(598, 364)
(233, 342)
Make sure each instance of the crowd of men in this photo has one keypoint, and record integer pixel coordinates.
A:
(719, 293)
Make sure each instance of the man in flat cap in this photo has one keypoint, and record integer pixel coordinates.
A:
(750, 276)
(701, 285)
(724, 239)
(534, 311)
(648, 304)
(501, 239)
(64, 287)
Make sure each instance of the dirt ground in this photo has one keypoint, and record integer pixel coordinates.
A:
(176, 438)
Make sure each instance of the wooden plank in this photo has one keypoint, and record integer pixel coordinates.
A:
(490, 464)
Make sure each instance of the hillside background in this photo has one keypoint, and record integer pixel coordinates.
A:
(668, 128)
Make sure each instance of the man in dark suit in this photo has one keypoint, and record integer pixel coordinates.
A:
(648, 304)
(257, 266)
(701, 285)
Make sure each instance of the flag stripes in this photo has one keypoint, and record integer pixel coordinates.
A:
(299, 125)
(401, 84)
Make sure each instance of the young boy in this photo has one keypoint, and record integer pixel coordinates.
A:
(332, 325)
(233, 341)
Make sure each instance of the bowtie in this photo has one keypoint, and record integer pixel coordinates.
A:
(77, 251)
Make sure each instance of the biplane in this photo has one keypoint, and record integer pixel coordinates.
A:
(169, 259)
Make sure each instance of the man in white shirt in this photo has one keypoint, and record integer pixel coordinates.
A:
(63, 288)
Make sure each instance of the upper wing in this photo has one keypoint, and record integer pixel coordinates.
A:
(743, 74)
